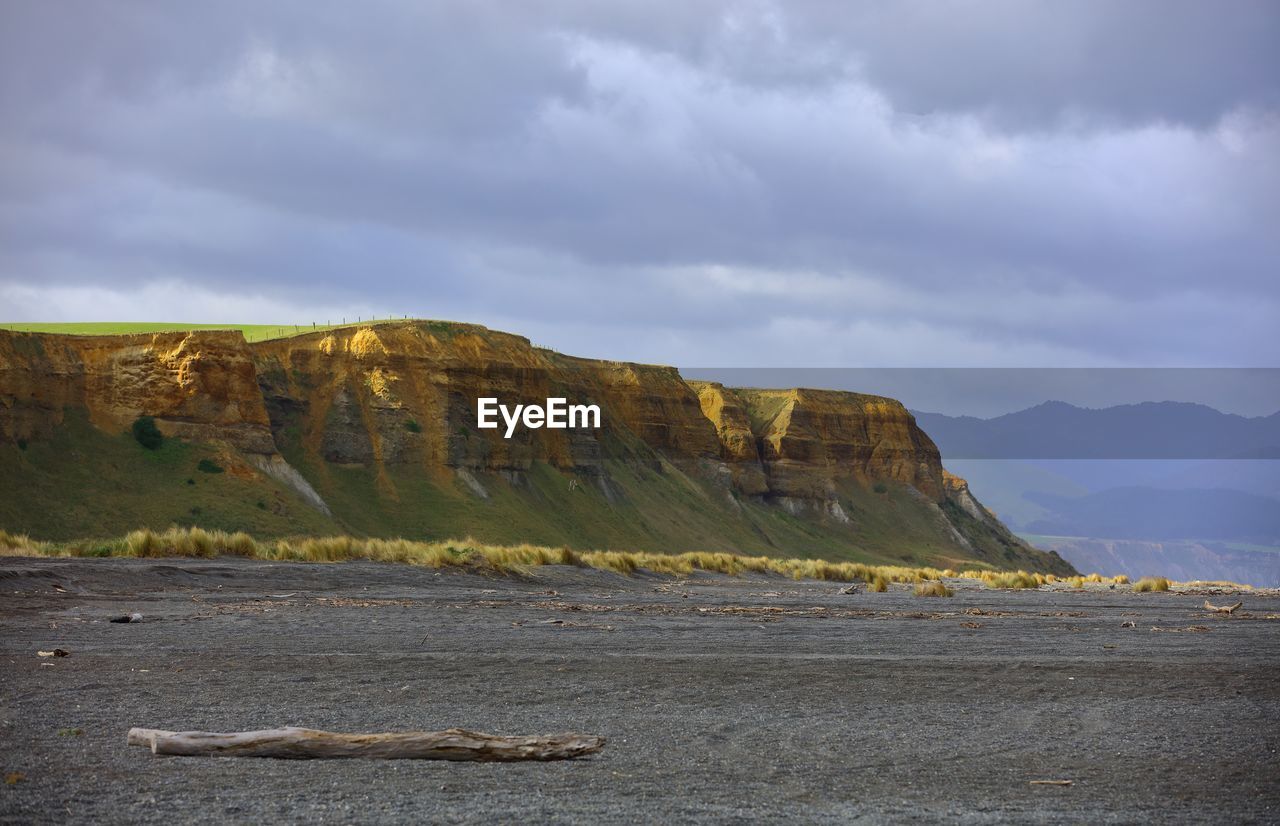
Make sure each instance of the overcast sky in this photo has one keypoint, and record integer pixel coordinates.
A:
(747, 184)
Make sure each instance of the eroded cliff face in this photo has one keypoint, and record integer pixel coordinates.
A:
(401, 398)
(408, 393)
(958, 491)
(804, 442)
(198, 385)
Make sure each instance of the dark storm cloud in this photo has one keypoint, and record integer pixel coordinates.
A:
(748, 183)
(1047, 65)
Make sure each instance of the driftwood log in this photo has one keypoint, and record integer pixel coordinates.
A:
(1222, 609)
(306, 744)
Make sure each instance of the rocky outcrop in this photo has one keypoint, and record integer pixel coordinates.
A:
(408, 393)
(198, 385)
(277, 468)
(810, 440)
(799, 444)
(958, 491)
(738, 443)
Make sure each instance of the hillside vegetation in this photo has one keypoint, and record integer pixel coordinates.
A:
(370, 431)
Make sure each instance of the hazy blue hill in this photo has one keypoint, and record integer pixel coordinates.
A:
(1257, 476)
(1151, 430)
(1134, 489)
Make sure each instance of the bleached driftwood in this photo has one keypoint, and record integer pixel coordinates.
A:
(1222, 609)
(305, 744)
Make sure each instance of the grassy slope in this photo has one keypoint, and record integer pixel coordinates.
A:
(88, 483)
(85, 483)
(648, 509)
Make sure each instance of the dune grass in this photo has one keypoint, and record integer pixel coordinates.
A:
(468, 553)
(1010, 580)
(1216, 583)
(198, 542)
(21, 545)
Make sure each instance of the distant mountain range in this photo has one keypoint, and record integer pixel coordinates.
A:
(1167, 481)
(1151, 430)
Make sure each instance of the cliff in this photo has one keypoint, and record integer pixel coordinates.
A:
(198, 385)
(806, 441)
(372, 429)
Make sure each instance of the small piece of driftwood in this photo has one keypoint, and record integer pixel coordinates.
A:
(1051, 782)
(1222, 609)
(308, 744)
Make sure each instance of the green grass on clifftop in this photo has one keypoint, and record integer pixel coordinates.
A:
(252, 332)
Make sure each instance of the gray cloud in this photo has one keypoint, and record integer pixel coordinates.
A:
(771, 184)
(1054, 65)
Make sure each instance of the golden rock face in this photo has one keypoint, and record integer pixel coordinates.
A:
(198, 385)
(360, 387)
(809, 440)
(406, 393)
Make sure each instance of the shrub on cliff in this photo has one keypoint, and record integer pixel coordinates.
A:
(146, 432)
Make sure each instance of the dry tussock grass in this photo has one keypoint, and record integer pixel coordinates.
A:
(933, 589)
(197, 542)
(1151, 583)
(20, 545)
(1023, 579)
(1216, 583)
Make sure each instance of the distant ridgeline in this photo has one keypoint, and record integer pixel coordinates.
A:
(376, 431)
(1170, 487)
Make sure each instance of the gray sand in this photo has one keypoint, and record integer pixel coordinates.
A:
(723, 699)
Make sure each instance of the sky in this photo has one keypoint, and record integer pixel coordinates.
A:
(754, 184)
